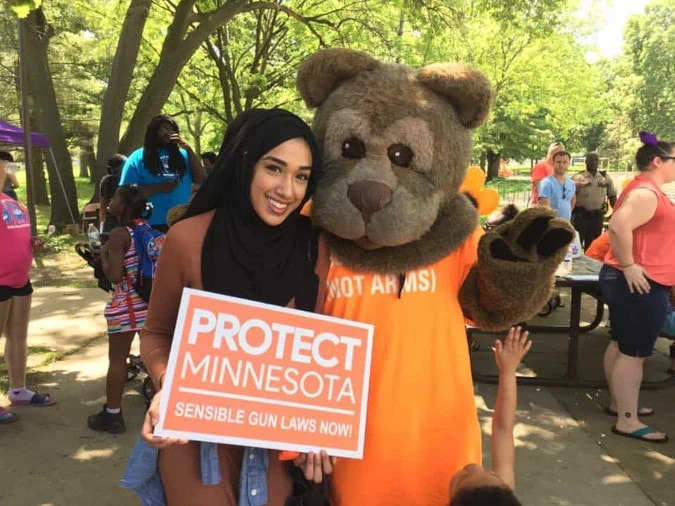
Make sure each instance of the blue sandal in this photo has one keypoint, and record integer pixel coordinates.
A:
(6, 416)
(640, 434)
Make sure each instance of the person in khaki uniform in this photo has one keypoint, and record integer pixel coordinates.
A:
(593, 190)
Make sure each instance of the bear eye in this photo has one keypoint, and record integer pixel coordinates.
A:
(353, 148)
(400, 155)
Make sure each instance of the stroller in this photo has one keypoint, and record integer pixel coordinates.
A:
(87, 253)
(135, 365)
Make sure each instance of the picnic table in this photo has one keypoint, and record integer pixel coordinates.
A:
(581, 278)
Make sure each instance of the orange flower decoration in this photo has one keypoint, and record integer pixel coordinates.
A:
(474, 182)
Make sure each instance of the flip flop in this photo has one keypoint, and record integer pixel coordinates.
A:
(611, 412)
(7, 416)
(640, 434)
(38, 401)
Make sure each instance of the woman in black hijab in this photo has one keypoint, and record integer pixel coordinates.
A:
(243, 236)
(256, 248)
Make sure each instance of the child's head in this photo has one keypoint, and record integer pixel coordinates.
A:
(129, 204)
(474, 486)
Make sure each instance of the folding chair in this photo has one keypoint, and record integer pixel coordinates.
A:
(90, 215)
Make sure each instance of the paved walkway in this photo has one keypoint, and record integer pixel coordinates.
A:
(566, 455)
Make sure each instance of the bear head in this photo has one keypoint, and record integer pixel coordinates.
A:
(395, 144)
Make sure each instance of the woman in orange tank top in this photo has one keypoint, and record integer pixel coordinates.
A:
(635, 282)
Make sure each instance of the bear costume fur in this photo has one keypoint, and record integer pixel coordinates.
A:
(407, 255)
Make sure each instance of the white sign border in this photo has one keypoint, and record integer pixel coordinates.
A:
(274, 445)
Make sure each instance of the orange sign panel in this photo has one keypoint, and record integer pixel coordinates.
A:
(252, 374)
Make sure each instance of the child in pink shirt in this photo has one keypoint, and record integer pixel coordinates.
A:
(15, 300)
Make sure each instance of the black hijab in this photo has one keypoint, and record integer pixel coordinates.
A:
(242, 256)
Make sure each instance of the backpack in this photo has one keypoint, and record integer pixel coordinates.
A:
(148, 243)
(84, 250)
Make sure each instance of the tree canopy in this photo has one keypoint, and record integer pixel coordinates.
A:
(113, 65)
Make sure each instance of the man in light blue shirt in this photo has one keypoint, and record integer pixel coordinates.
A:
(557, 191)
(165, 168)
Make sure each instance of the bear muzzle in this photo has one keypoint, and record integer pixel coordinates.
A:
(369, 197)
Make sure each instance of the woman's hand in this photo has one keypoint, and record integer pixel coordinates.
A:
(177, 139)
(37, 244)
(149, 423)
(315, 465)
(636, 278)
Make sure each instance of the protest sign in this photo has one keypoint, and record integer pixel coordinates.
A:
(253, 374)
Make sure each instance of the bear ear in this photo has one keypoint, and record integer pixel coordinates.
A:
(323, 71)
(468, 90)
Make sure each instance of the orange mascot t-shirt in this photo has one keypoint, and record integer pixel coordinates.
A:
(422, 424)
(599, 247)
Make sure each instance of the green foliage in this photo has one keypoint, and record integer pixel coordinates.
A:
(650, 45)
(530, 49)
(22, 7)
(640, 92)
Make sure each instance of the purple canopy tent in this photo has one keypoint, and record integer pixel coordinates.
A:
(13, 135)
(10, 134)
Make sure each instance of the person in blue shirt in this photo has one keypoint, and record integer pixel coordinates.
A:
(165, 168)
(557, 191)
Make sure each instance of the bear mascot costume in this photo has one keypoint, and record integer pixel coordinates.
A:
(407, 255)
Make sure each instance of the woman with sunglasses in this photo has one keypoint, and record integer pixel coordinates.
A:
(165, 168)
(636, 280)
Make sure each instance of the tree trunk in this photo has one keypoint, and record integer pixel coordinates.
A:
(61, 181)
(40, 193)
(87, 160)
(176, 52)
(197, 134)
(121, 74)
(83, 162)
(492, 165)
(483, 161)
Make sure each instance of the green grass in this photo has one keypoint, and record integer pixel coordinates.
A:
(83, 187)
(506, 186)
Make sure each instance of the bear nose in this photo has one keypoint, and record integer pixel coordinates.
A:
(369, 197)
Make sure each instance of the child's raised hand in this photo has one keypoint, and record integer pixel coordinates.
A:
(509, 353)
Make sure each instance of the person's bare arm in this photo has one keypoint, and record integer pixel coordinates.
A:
(113, 252)
(103, 209)
(544, 202)
(611, 192)
(573, 202)
(198, 172)
(638, 208)
(12, 178)
(507, 355)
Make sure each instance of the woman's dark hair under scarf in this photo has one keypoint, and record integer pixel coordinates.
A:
(242, 256)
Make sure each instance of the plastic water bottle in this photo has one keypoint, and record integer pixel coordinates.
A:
(94, 237)
(567, 262)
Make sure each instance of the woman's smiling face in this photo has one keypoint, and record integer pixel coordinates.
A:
(280, 180)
